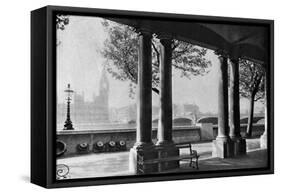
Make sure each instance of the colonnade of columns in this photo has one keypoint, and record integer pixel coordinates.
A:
(229, 141)
(144, 92)
(144, 145)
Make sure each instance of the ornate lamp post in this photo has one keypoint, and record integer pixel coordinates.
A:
(68, 123)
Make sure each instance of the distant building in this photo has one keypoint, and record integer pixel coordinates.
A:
(128, 114)
(93, 112)
(185, 110)
(191, 108)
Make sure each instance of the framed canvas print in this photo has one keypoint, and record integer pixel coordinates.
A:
(124, 96)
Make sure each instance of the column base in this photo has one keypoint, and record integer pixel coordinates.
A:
(148, 152)
(263, 141)
(167, 149)
(207, 131)
(152, 152)
(240, 146)
(223, 148)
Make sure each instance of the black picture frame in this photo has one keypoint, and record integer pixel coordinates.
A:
(43, 97)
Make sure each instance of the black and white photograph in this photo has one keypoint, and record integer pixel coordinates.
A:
(141, 96)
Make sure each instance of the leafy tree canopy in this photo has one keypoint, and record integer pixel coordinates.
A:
(61, 22)
(251, 79)
(121, 50)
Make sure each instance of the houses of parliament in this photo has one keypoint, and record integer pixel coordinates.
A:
(91, 112)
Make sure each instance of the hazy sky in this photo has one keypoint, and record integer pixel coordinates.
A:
(79, 63)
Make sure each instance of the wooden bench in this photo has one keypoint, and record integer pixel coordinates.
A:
(162, 159)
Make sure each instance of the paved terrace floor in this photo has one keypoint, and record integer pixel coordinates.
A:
(113, 164)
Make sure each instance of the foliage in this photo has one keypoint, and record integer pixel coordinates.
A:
(61, 22)
(121, 50)
(251, 80)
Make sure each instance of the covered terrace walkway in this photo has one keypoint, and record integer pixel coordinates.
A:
(230, 40)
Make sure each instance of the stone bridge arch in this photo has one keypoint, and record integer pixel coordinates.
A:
(210, 119)
(256, 119)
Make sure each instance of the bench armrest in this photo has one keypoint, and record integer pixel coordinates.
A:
(193, 152)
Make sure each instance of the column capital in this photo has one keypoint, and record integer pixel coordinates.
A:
(234, 53)
(234, 59)
(143, 31)
(164, 36)
(234, 56)
(222, 53)
(166, 42)
(165, 39)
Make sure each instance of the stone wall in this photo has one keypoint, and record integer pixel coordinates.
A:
(258, 130)
(73, 138)
(201, 132)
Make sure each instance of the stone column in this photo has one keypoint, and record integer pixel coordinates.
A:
(222, 99)
(263, 138)
(164, 133)
(144, 92)
(222, 146)
(234, 108)
(165, 125)
(143, 145)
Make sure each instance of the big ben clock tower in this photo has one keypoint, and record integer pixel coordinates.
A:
(104, 86)
(101, 109)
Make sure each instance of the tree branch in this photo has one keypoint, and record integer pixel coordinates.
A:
(175, 45)
(156, 90)
(154, 47)
(157, 53)
(258, 98)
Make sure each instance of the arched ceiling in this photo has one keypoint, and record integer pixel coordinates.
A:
(247, 41)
